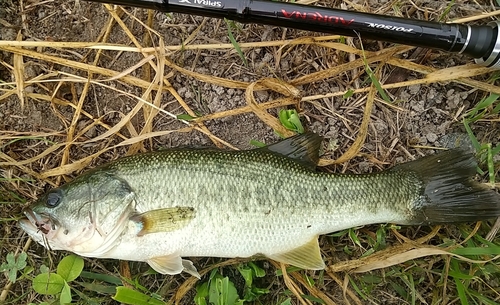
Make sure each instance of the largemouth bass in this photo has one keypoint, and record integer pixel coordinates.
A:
(162, 206)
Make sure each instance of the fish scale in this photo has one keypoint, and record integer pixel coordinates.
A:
(160, 207)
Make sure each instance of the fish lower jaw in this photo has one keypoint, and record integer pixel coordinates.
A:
(31, 229)
(37, 235)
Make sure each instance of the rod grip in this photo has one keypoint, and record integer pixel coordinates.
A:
(484, 45)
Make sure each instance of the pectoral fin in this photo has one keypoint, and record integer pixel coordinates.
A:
(307, 256)
(169, 264)
(164, 220)
(172, 264)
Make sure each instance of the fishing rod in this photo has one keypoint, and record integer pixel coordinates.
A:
(479, 42)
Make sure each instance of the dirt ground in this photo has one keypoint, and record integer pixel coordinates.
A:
(78, 104)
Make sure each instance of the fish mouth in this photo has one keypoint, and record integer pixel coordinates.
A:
(41, 223)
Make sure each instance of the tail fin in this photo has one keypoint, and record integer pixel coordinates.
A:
(448, 194)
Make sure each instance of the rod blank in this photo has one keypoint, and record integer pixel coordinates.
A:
(479, 42)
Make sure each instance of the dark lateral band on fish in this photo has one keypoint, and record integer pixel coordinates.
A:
(159, 207)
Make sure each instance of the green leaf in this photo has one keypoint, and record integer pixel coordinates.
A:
(249, 271)
(129, 296)
(257, 271)
(461, 292)
(460, 275)
(472, 137)
(21, 260)
(201, 294)
(295, 120)
(286, 302)
(65, 297)
(496, 109)
(486, 102)
(213, 292)
(354, 238)
(374, 78)
(11, 259)
(357, 289)
(48, 283)
(314, 299)
(290, 119)
(381, 234)
(70, 267)
(234, 42)
(13, 265)
(284, 116)
(309, 280)
(495, 151)
(185, 117)
(247, 274)
(214, 274)
(257, 143)
(478, 251)
(222, 292)
(12, 275)
(289, 269)
(86, 300)
(101, 277)
(44, 269)
(200, 301)
(481, 297)
(228, 291)
(348, 94)
(99, 288)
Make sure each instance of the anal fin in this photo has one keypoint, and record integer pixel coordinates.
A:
(307, 256)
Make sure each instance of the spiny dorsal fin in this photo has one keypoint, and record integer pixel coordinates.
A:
(164, 220)
(303, 148)
(307, 256)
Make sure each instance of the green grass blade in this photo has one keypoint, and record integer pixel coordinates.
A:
(234, 42)
(101, 277)
(130, 296)
(472, 137)
(461, 292)
(477, 251)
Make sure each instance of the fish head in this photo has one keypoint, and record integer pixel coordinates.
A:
(86, 216)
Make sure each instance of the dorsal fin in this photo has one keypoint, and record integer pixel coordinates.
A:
(303, 148)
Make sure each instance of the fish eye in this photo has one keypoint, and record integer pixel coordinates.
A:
(53, 199)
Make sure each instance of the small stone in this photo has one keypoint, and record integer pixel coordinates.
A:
(261, 96)
(91, 133)
(431, 137)
(364, 166)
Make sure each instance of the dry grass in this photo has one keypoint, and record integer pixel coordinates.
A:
(75, 70)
